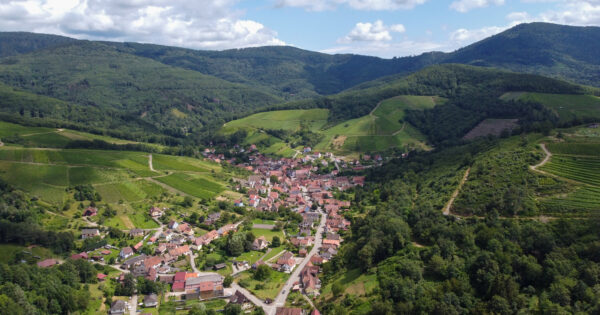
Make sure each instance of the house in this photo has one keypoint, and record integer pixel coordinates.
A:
(117, 307)
(126, 252)
(47, 263)
(89, 233)
(82, 255)
(225, 229)
(173, 225)
(260, 243)
(289, 311)
(137, 246)
(136, 232)
(212, 218)
(240, 299)
(286, 262)
(153, 262)
(150, 300)
(220, 266)
(101, 277)
(155, 212)
(181, 250)
(134, 261)
(208, 286)
(90, 212)
(238, 203)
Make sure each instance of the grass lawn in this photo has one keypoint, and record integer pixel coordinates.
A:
(268, 234)
(251, 256)
(354, 282)
(10, 250)
(261, 221)
(274, 252)
(271, 286)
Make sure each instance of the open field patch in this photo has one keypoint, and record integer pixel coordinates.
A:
(491, 127)
(291, 120)
(197, 186)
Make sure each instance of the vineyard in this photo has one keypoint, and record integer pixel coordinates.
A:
(581, 169)
(583, 199)
(591, 149)
(577, 161)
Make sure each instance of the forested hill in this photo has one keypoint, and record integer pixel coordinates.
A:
(473, 94)
(90, 76)
(565, 52)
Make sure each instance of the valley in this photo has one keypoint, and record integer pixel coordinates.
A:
(140, 178)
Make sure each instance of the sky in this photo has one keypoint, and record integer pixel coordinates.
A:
(384, 28)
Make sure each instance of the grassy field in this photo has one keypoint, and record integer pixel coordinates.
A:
(268, 234)
(384, 128)
(567, 106)
(271, 286)
(290, 120)
(251, 256)
(354, 282)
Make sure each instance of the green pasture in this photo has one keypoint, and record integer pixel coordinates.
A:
(567, 106)
(291, 120)
(195, 185)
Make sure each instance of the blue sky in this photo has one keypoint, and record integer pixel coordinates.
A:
(384, 28)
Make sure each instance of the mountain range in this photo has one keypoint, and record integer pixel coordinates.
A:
(179, 92)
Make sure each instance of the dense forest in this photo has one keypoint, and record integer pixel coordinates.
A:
(425, 262)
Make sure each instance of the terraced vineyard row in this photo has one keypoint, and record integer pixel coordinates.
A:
(584, 199)
(582, 169)
(592, 149)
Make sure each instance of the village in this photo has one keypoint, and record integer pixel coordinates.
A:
(168, 255)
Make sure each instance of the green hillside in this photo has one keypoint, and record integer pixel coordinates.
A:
(505, 214)
(381, 130)
(93, 77)
(568, 107)
(31, 159)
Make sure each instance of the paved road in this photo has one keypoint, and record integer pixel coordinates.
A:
(295, 277)
(133, 305)
(269, 309)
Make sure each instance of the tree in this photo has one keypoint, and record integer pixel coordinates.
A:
(276, 242)
(337, 289)
(187, 202)
(232, 309)
(128, 286)
(262, 272)
(235, 244)
(227, 281)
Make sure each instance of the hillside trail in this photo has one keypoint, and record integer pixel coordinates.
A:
(455, 194)
(544, 161)
(150, 163)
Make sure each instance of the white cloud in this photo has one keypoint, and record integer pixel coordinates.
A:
(371, 32)
(204, 25)
(468, 5)
(367, 5)
(464, 36)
